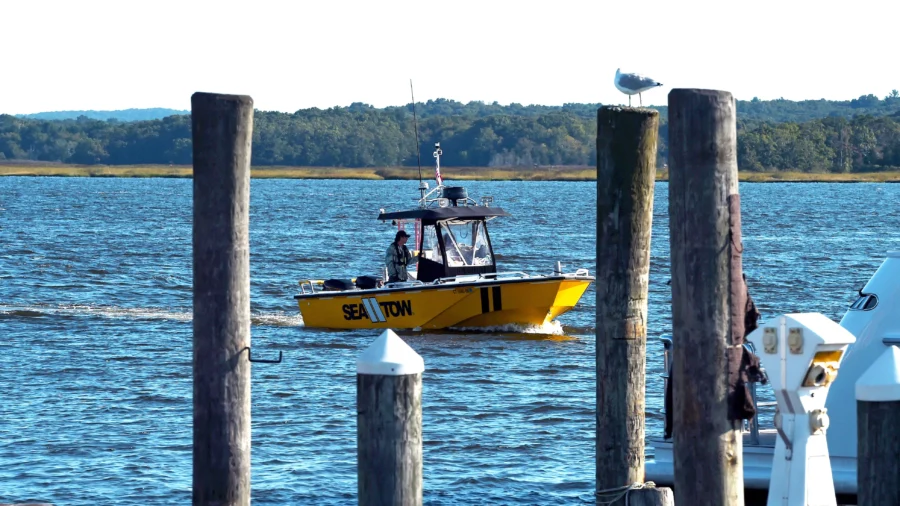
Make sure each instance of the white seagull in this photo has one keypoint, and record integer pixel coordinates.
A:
(630, 84)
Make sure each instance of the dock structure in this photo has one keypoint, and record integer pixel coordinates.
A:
(389, 423)
(222, 127)
(706, 281)
(626, 173)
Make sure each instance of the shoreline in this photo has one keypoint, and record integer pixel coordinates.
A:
(411, 173)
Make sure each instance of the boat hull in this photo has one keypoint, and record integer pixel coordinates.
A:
(478, 304)
(757, 466)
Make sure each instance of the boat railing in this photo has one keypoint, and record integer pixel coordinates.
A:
(751, 425)
(469, 278)
(510, 274)
(313, 286)
(428, 201)
(308, 286)
(577, 274)
(404, 284)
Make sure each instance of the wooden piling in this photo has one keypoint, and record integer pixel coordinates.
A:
(878, 431)
(389, 423)
(702, 175)
(222, 127)
(643, 495)
(626, 172)
(651, 497)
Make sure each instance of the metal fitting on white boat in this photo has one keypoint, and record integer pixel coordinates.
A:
(818, 421)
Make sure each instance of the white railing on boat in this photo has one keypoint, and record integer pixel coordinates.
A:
(404, 284)
(307, 286)
(313, 286)
(473, 278)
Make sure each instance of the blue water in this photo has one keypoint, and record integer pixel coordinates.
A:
(95, 356)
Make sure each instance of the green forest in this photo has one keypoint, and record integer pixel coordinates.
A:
(857, 135)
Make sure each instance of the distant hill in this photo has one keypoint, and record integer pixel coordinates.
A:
(121, 115)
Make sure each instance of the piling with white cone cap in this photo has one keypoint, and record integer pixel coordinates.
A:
(878, 430)
(389, 423)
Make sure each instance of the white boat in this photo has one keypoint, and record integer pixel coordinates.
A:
(873, 320)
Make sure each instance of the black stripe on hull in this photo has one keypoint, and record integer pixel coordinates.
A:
(498, 300)
(485, 302)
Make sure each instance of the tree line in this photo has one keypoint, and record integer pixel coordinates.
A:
(810, 136)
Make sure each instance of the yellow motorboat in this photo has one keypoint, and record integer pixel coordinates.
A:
(456, 284)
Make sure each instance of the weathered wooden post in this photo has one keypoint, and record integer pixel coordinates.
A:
(702, 178)
(878, 431)
(389, 423)
(222, 130)
(626, 172)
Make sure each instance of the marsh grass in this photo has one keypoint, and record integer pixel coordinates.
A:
(568, 173)
(786, 177)
(400, 173)
(31, 169)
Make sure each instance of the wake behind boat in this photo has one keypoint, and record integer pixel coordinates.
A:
(456, 284)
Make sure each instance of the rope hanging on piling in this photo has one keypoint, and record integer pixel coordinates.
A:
(610, 496)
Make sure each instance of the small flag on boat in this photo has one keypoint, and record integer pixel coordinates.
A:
(437, 163)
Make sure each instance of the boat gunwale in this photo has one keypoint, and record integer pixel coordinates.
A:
(431, 286)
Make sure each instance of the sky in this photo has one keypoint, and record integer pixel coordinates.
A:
(290, 55)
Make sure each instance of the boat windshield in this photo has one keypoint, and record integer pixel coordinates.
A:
(430, 247)
(466, 243)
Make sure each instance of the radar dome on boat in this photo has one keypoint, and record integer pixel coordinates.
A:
(454, 193)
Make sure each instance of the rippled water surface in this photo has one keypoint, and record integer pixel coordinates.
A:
(95, 318)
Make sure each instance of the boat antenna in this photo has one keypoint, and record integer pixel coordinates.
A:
(416, 123)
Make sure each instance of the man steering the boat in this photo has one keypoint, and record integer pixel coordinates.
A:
(398, 258)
